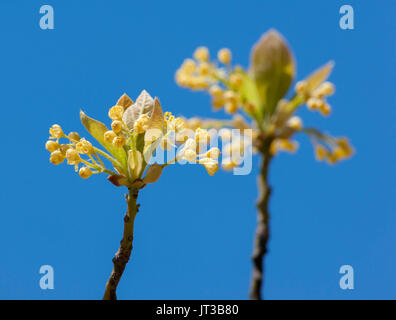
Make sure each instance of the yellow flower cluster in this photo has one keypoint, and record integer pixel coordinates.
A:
(201, 74)
(316, 99)
(116, 136)
(71, 151)
(340, 150)
(191, 148)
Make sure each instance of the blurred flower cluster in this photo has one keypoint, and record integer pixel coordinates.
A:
(260, 94)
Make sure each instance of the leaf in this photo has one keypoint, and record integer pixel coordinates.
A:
(318, 76)
(125, 101)
(97, 129)
(272, 68)
(250, 93)
(144, 105)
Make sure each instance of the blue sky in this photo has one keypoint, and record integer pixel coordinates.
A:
(194, 233)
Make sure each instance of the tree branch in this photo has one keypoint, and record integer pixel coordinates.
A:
(121, 258)
(262, 229)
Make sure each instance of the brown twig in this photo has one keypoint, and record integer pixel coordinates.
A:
(121, 258)
(262, 229)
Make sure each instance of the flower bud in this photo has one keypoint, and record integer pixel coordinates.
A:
(224, 55)
(74, 136)
(56, 131)
(236, 80)
(85, 172)
(57, 157)
(201, 54)
(119, 141)
(116, 112)
(84, 147)
(210, 165)
(213, 153)
(109, 136)
(116, 125)
(72, 156)
(51, 145)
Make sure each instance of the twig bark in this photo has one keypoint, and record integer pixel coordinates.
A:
(262, 229)
(121, 258)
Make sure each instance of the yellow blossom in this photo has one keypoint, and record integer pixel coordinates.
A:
(57, 157)
(116, 125)
(109, 136)
(320, 152)
(51, 145)
(295, 123)
(72, 156)
(215, 91)
(119, 141)
(84, 147)
(213, 153)
(56, 132)
(283, 145)
(224, 55)
(141, 124)
(228, 164)
(201, 54)
(301, 87)
(210, 165)
(116, 112)
(201, 135)
(188, 66)
(203, 68)
(85, 172)
(74, 136)
(236, 80)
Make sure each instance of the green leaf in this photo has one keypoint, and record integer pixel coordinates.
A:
(318, 76)
(144, 105)
(249, 93)
(97, 129)
(272, 68)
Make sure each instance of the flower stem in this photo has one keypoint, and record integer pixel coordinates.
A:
(121, 258)
(262, 229)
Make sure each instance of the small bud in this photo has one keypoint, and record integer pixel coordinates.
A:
(56, 131)
(301, 87)
(236, 80)
(203, 68)
(51, 145)
(57, 157)
(74, 136)
(201, 54)
(201, 135)
(85, 172)
(72, 156)
(119, 141)
(230, 107)
(153, 173)
(213, 153)
(215, 91)
(84, 147)
(116, 112)
(224, 55)
(109, 136)
(116, 125)
(295, 123)
(188, 66)
(210, 165)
